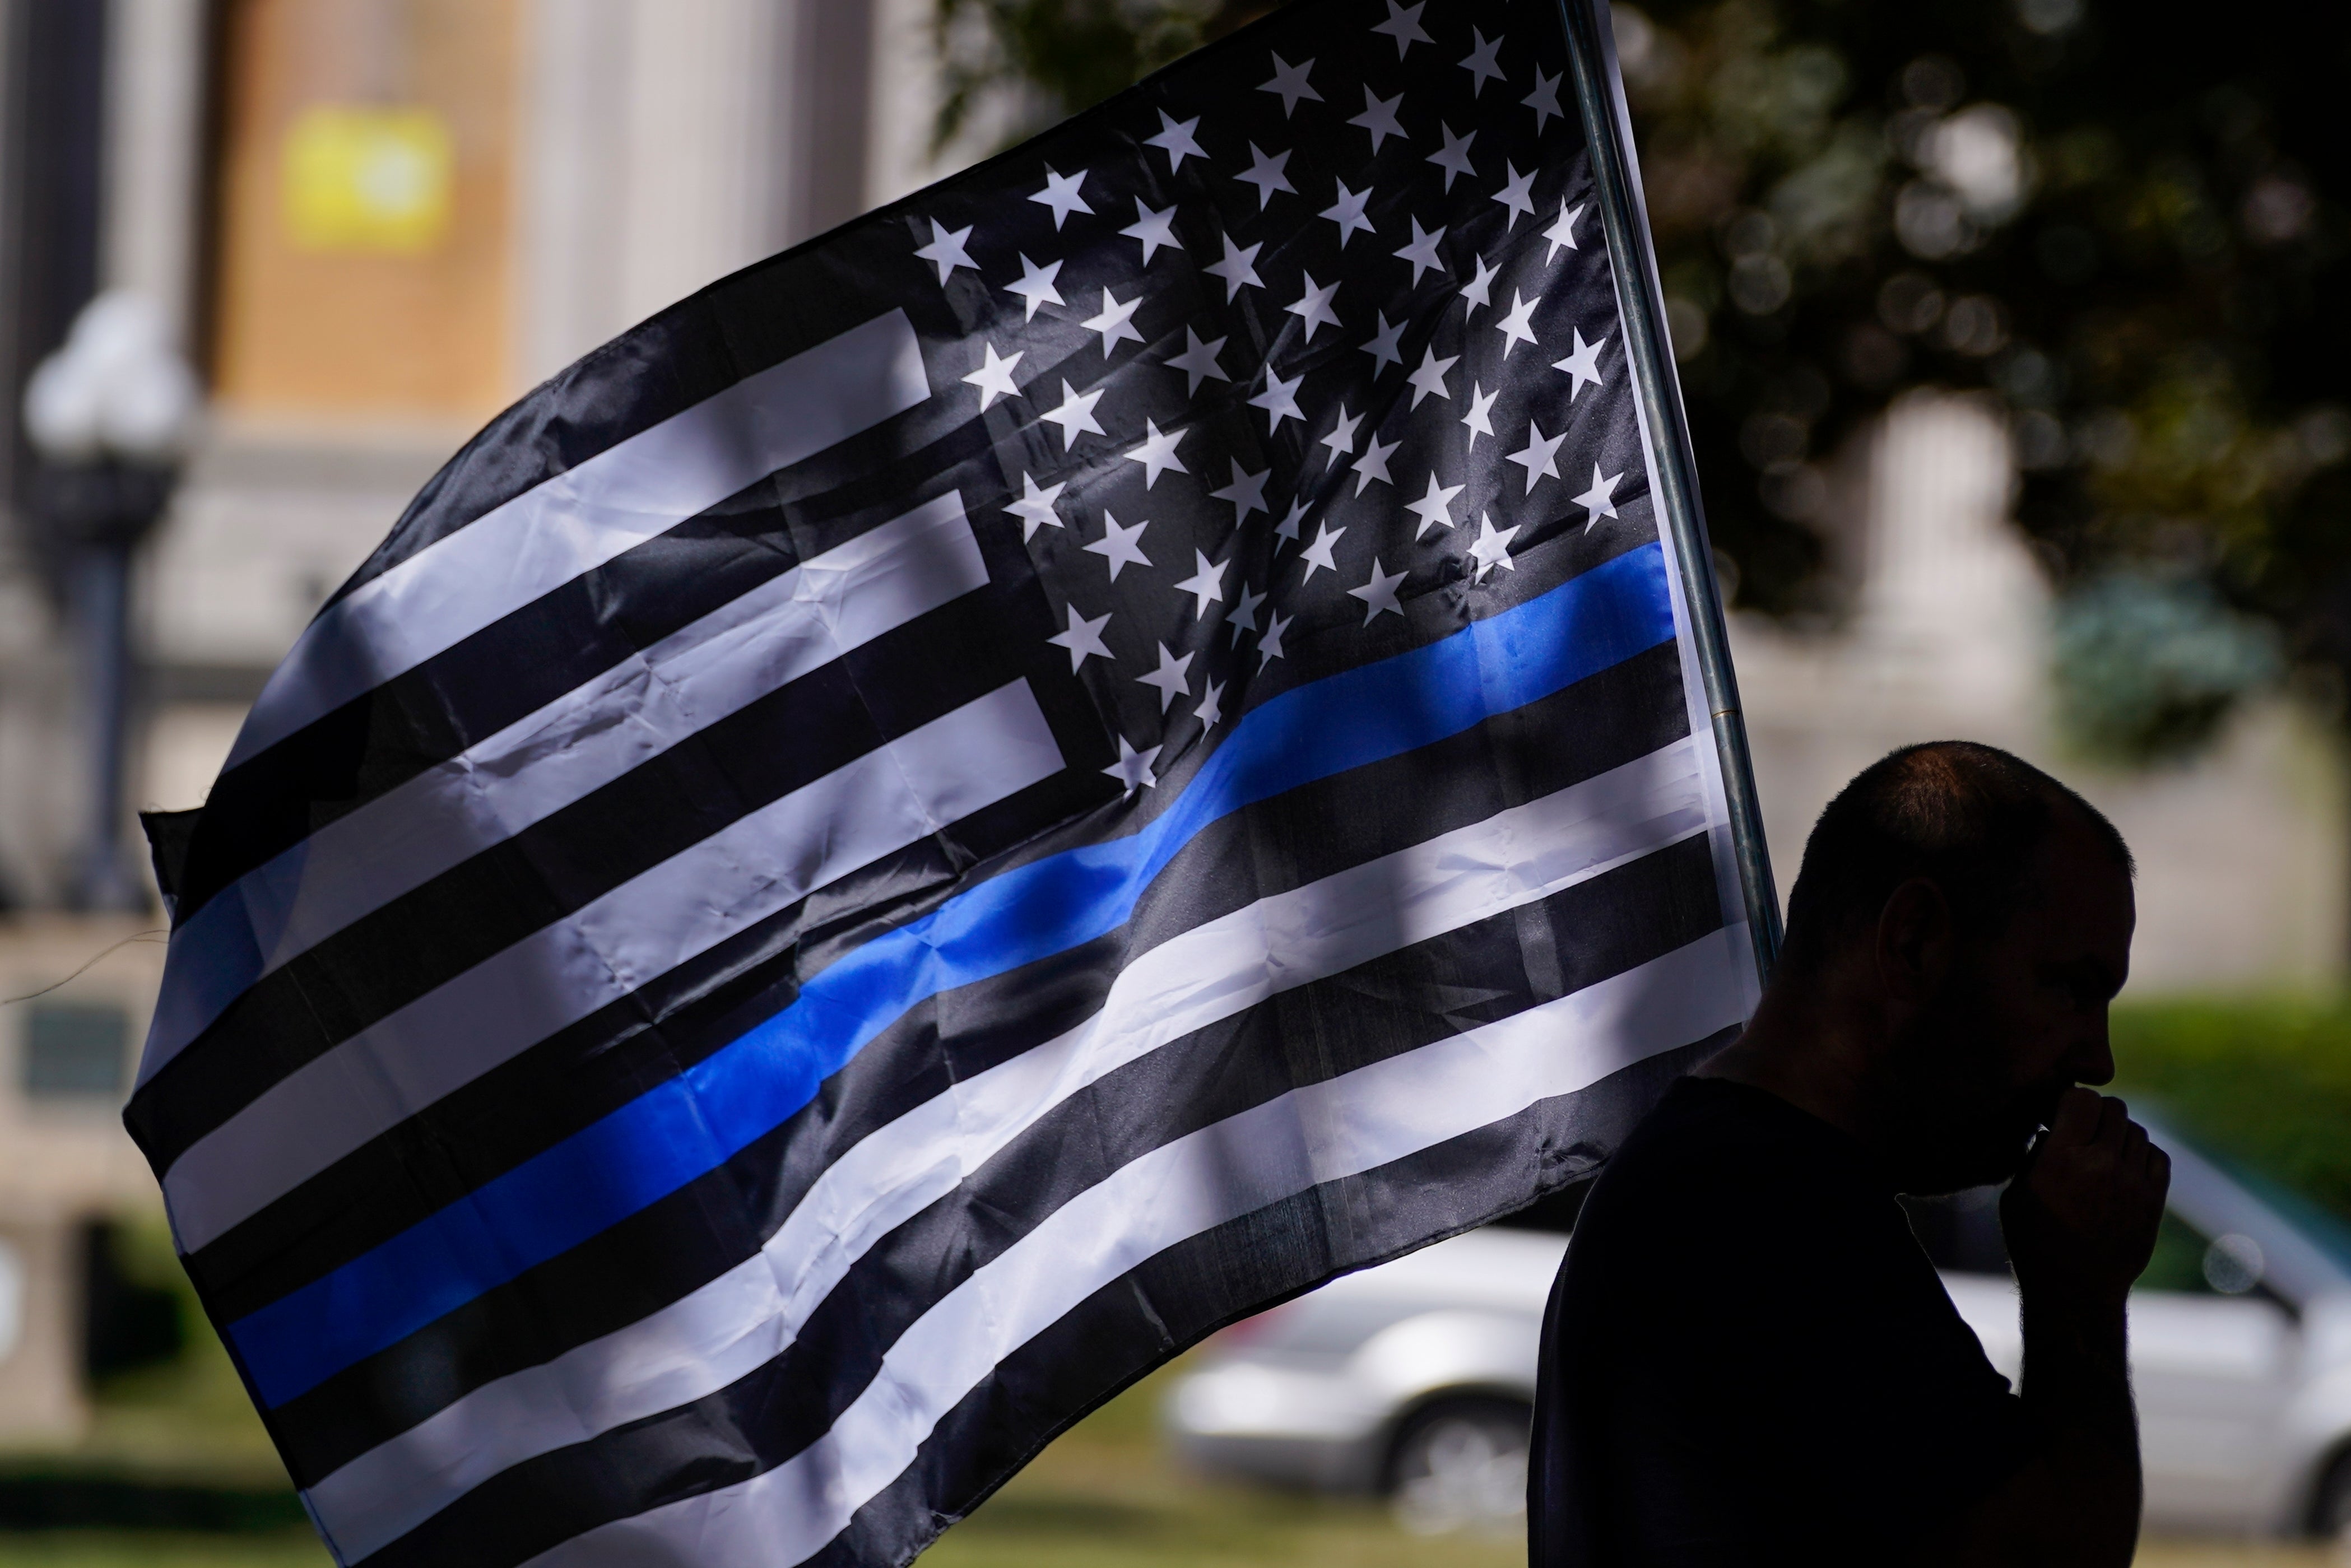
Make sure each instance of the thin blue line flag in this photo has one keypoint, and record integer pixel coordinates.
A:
(968, 805)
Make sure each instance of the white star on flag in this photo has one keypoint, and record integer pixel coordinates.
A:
(994, 378)
(1244, 615)
(1288, 527)
(1454, 156)
(1539, 455)
(1422, 251)
(1342, 439)
(1266, 175)
(1435, 510)
(1211, 707)
(1318, 554)
(1115, 321)
(1493, 548)
(1133, 768)
(1597, 502)
(1157, 453)
(1543, 101)
(1035, 508)
(1429, 380)
(1153, 227)
(1061, 194)
(1563, 231)
(1206, 582)
(946, 250)
(1583, 364)
(1076, 414)
(1247, 492)
(1386, 347)
(1517, 193)
(1379, 593)
(1481, 63)
(1197, 360)
(1279, 399)
(1477, 290)
(1176, 139)
(1083, 639)
(1239, 267)
(1481, 404)
(1269, 646)
(1373, 464)
(1173, 677)
(1119, 546)
(1347, 212)
(1315, 305)
(1518, 325)
(1036, 286)
(1404, 25)
(1379, 117)
(1289, 81)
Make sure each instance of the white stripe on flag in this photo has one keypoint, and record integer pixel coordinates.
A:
(738, 1322)
(584, 516)
(1322, 1133)
(886, 800)
(779, 632)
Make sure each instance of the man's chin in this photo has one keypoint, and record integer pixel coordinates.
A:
(1942, 1173)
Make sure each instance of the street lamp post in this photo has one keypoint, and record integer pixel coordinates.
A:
(110, 414)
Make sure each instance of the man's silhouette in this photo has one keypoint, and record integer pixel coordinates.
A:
(1748, 1359)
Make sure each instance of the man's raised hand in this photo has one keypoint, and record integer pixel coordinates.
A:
(2081, 1219)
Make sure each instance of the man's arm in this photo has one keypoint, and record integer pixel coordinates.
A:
(2081, 1224)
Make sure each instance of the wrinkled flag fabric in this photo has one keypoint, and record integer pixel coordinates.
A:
(972, 802)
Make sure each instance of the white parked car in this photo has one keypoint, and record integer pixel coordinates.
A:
(1415, 1380)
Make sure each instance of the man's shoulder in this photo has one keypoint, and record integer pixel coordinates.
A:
(1709, 1129)
(1719, 1170)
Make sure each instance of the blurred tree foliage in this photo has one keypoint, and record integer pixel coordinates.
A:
(2124, 223)
(1054, 58)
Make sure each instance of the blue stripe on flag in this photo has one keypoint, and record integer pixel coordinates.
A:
(695, 1122)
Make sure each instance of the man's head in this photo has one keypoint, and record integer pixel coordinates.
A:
(1974, 916)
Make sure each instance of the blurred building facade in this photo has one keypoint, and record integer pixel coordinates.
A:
(374, 223)
(2244, 854)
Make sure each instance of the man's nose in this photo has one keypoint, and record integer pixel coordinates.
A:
(2093, 1059)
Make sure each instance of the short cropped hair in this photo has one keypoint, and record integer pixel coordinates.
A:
(1966, 817)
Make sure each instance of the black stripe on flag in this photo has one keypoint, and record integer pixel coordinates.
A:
(570, 634)
(793, 735)
(672, 1247)
(1482, 972)
(1186, 1292)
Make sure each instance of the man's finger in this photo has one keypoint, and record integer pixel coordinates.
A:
(2076, 1119)
(2114, 1116)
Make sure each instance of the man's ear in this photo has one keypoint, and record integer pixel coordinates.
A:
(1915, 936)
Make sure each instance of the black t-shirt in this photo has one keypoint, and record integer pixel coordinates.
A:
(1748, 1360)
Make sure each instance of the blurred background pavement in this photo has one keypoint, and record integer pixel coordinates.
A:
(2013, 333)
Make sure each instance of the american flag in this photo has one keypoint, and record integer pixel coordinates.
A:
(958, 809)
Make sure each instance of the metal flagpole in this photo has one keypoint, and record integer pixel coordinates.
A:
(1607, 133)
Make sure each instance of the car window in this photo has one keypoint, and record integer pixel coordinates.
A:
(2189, 1261)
